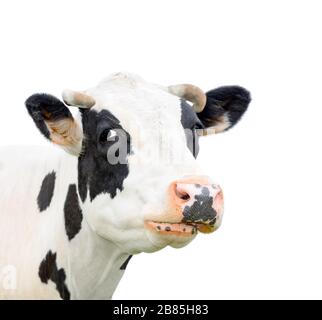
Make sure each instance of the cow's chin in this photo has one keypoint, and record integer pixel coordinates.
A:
(176, 235)
(150, 241)
(145, 239)
(159, 241)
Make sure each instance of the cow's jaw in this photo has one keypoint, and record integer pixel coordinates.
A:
(176, 235)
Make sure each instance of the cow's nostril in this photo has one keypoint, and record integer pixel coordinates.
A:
(184, 196)
(181, 194)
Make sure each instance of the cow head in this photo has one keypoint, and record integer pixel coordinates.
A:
(138, 180)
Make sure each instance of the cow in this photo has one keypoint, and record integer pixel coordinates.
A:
(124, 180)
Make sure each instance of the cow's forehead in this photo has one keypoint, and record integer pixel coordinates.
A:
(133, 100)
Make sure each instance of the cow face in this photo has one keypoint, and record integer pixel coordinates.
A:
(139, 184)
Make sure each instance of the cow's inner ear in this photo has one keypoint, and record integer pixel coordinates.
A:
(55, 122)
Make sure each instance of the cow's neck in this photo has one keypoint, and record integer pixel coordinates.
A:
(95, 266)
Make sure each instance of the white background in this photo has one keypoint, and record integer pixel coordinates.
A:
(270, 244)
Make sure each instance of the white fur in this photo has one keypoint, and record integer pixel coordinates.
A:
(111, 228)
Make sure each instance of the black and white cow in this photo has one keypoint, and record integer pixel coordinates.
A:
(124, 181)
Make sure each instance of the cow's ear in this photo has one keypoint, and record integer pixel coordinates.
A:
(55, 122)
(224, 108)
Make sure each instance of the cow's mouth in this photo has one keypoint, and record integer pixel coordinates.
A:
(180, 229)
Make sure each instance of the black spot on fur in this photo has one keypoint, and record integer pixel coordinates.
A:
(48, 270)
(201, 210)
(95, 172)
(46, 191)
(190, 122)
(124, 265)
(44, 107)
(73, 213)
(231, 101)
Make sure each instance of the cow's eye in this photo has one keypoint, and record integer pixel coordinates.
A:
(108, 136)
